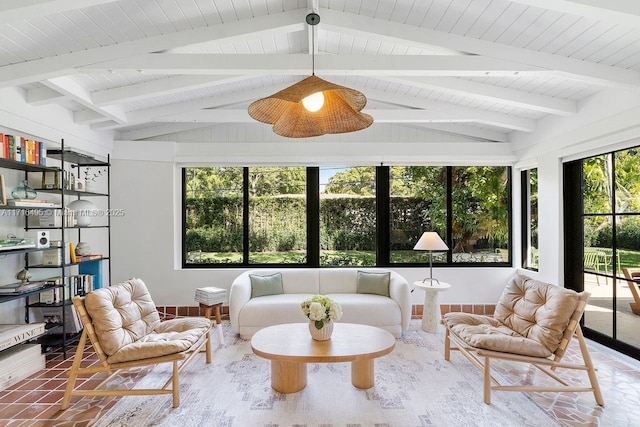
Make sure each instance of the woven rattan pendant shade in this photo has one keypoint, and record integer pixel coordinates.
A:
(339, 114)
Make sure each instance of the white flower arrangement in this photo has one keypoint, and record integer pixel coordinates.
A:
(320, 309)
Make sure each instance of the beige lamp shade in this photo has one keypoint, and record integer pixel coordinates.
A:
(430, 241)
(339, 114)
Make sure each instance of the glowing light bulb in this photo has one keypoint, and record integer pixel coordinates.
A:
(313, 102)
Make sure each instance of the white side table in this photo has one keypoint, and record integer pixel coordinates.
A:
(431, 312)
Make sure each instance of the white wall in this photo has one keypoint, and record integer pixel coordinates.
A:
(146, 242)
(49, 124)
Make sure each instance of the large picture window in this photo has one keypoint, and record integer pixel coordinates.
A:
(277, 215)
(417, 203)
(344, 216)
(480, 214)
(348, 216)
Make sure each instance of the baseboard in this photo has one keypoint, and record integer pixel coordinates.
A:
(416, 310)
(189, 311)
(488, 309)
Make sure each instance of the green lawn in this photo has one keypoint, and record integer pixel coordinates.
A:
(628, 258)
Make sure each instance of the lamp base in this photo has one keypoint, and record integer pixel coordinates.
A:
(430, 279)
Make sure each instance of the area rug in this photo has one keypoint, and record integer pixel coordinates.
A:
(414, 386)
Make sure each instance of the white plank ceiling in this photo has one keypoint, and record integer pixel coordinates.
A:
(456, 70)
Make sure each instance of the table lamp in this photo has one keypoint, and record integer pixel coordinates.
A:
(430, 241)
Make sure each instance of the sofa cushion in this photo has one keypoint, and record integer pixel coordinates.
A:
(274, 310)
(488, 333)
(266, 285)
(122, 314)
(373, 283)
(368, 309)
(536, 310)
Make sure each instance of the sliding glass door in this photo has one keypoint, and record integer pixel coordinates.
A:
(608, 239)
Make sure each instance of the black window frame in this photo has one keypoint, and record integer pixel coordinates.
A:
(525, 199)
(313, 225)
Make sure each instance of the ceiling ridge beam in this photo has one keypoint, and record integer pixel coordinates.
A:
(491, 93)
(299, 64)
(55, 66)
(18, 10)
(571, 68)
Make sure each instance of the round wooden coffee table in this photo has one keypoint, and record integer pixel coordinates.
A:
(290, 347)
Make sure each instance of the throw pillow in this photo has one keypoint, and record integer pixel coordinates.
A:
(373, 283)
(266, 285)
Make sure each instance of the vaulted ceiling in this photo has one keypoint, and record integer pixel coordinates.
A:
(471, 70)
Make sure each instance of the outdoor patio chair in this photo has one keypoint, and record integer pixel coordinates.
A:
(533, 323)
(125, 330)
(633, 280)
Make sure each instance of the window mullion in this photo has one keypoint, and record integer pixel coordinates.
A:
(245, 215)
(382, 216)
(313, 217)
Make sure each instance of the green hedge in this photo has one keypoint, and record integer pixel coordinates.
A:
(214, 223)
(627, 235)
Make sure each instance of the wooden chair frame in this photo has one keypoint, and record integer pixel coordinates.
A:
(482, 360)
(633, 275)
(204, 344)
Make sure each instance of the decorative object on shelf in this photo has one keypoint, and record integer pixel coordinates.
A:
(90, 179)
(3, 193)
(312, 107)
(24, 275)
(322, 311)
(24, 191)
(84, 210)
(430, 241)
(82, 249)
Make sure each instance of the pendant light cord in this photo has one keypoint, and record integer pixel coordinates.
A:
(313, 51)
(313, 19)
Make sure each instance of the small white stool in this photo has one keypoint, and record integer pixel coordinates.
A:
(211, 299)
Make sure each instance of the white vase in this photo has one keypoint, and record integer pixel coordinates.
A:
(323, 333)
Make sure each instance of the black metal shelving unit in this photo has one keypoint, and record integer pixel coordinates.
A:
(73, 160)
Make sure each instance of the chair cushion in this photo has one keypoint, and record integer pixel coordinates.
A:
(121, 314)
(487, 333)
(536, 310)
(266, 285)
(128, 326)
(169, 337)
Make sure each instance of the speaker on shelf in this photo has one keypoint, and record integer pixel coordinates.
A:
(41, 238)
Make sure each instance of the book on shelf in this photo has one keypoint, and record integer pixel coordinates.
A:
(92, 257)
(12, 334)
(32, 203)
(19, 288)
(50, 180)
(52, 319)
(52, 257)
(19, 362)
(16, 243)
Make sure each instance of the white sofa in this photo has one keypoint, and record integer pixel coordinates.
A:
(249, 315)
